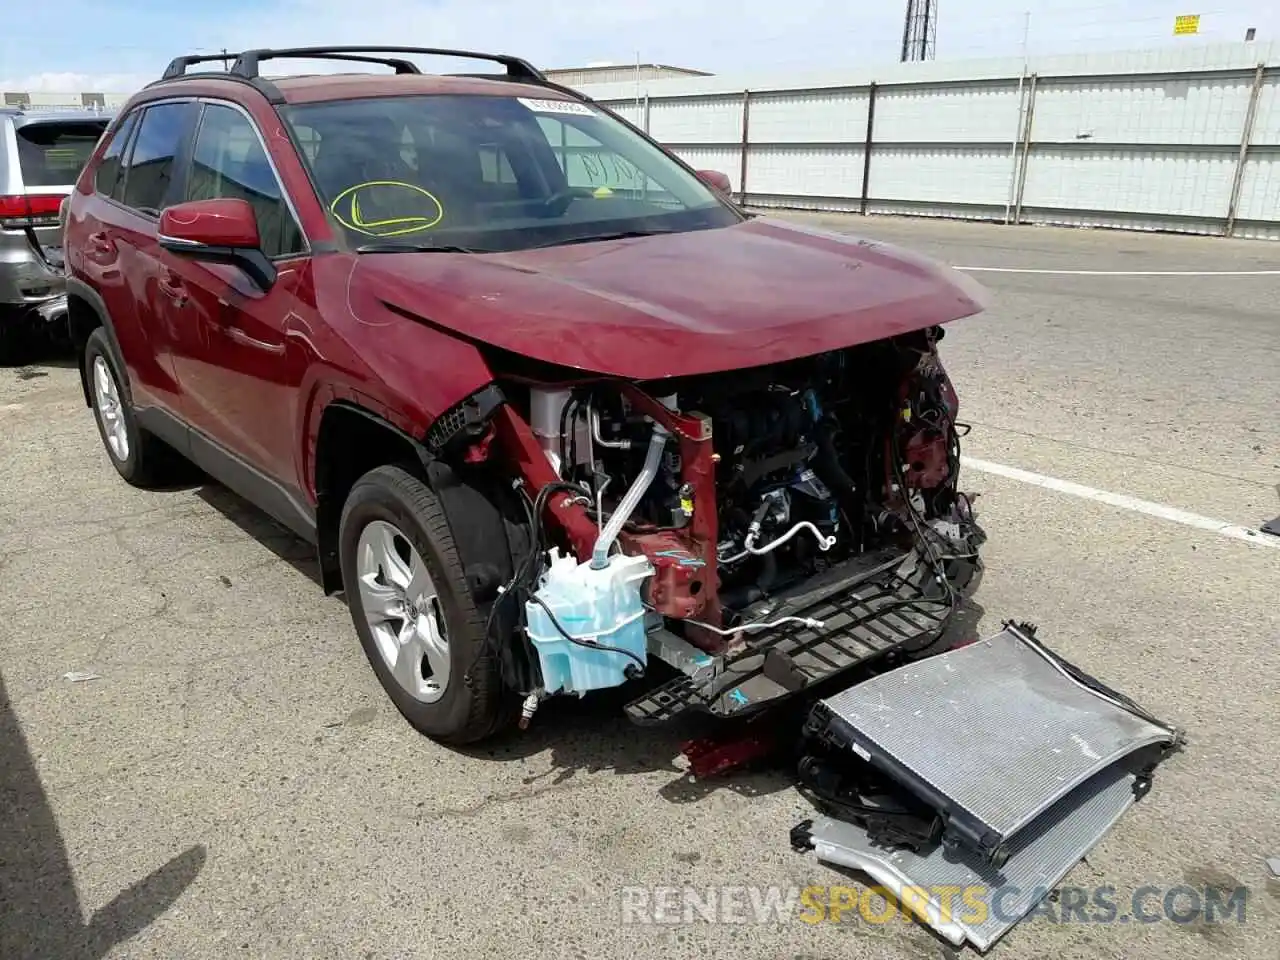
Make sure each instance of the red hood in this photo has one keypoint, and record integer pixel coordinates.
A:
(678, 304)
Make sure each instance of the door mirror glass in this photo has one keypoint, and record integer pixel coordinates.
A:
(221, 231)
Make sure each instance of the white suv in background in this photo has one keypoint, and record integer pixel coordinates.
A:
(41, 154)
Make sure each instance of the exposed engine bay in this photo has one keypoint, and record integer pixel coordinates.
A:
(814, 461)
(684, 518)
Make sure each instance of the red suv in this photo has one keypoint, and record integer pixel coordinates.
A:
(555, 412)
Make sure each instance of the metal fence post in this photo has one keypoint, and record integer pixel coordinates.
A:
(1026, 147)
(867, 146)
(1246, 139)
(1013, 144)
(746, 146)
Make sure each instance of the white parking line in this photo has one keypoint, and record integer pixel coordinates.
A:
(1126, 273)
(1158, 510)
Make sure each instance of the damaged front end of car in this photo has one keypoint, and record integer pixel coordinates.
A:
(792, 544)
(761, 531)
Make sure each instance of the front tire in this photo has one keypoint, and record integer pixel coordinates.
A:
(413, 611)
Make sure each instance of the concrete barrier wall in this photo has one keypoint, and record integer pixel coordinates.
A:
(1184, 139)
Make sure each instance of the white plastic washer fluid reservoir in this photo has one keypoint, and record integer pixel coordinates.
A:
(598, 608)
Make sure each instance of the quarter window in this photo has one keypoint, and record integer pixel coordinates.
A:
(229, 162)
(151, 166)
(106, 179)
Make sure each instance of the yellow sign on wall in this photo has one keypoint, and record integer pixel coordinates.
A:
(1188, 23)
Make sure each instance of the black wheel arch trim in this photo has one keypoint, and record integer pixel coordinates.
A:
(486, 522)
(461, 496)
(491, 532)
(76, 287)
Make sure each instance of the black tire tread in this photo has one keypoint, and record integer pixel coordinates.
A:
(488, 713)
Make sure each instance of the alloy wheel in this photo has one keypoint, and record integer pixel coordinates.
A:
(110, 410)
(402, 607)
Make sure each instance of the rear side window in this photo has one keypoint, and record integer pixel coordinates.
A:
(52, 154)
(106, 178)
(152, 162)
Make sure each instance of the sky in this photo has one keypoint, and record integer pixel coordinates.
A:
(118, 45)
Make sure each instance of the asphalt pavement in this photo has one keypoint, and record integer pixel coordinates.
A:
(234, 783)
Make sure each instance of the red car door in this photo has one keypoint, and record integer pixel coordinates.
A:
(116, 247)
(239, 369)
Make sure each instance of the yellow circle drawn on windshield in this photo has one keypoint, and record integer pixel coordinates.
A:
(386, 227)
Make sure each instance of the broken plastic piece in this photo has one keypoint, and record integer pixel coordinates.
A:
(80, 676)
(709, 756)
(802, 836)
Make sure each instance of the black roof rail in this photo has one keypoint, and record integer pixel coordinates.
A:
(244, 65)
(178, 65)
(400, 66)
(264, 87)
(246, 62)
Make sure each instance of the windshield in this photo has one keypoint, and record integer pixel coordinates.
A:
(493, 174)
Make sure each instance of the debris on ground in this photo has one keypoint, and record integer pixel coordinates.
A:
(994, 764)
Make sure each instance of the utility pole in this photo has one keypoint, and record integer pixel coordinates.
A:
(1017, 130)
(637, 88)
(920, 30)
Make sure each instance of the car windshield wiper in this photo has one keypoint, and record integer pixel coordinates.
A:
(598, 237)
(407, 247)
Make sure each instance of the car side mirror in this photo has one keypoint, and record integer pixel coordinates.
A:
(224, 230)
(716, 180)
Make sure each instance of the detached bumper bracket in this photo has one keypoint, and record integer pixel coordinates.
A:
(865, 617)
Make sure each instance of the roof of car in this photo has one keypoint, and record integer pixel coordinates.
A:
(315, 88)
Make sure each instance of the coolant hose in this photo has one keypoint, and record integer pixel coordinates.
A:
(619, 517)
(824, 543)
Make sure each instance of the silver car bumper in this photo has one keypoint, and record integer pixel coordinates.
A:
(27, 277)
